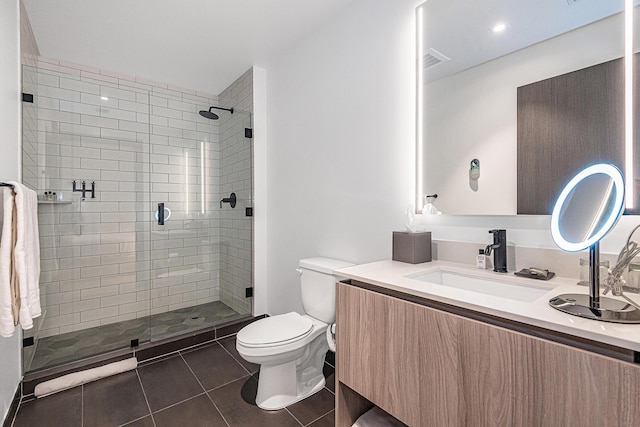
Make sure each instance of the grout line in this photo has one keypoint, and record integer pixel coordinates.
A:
(294, 417)
(218, 409)
(318, 418)
(246, 378)
(17, 410)
(145, 397)
(234, 358)
(182, 401)
(192, 373)
(133, 421)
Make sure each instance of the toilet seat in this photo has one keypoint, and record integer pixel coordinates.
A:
(275, 331)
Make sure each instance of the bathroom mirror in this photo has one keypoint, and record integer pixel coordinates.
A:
(586, 210)
(473, 55)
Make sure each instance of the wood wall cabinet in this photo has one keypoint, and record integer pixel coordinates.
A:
(428, 367)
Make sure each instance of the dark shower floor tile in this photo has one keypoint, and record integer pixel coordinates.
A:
(71, 346)
(168, 392)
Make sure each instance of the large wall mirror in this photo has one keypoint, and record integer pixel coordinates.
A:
(482, 65)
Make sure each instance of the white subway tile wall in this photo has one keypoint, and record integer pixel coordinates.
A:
(236, 258)
(105, 259)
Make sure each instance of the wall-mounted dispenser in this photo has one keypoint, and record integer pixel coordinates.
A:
(474, 170)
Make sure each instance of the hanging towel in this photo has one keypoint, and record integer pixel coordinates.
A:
(9, 304)
(376, 417)
(27, 253)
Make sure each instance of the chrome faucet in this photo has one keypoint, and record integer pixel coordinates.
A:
(499, 248)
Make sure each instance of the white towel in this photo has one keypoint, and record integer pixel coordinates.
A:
(376, 417)
(7, 243)
(27, 253)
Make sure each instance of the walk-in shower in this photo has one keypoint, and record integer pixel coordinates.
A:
(112, 275)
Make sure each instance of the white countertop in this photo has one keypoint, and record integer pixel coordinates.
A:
(392, 275)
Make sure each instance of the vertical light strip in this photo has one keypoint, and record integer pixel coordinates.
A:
(202, 180)
(419, 107)
(628, 104)
(186, 182)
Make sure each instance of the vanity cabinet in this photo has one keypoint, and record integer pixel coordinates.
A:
(429, 367)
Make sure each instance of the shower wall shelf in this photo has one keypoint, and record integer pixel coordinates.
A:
(53, 202)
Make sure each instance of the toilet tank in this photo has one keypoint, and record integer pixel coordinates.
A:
(318, 286)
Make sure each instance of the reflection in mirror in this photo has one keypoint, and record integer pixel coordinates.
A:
(473, 56)
(586, 210)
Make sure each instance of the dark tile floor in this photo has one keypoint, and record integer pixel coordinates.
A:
(210, 385)
(71, 346)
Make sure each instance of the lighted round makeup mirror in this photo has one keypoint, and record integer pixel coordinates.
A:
(586, 210)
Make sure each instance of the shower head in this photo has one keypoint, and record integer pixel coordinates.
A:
(208, 114)
(211, 115)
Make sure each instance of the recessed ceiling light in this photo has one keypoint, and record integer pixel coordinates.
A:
(104, 98)
(498, 28)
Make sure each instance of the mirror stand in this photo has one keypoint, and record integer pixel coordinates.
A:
(593, 306)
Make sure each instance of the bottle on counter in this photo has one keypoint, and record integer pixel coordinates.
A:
(481, 259)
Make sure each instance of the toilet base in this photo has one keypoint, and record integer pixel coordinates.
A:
(286, 383)
(277, 387)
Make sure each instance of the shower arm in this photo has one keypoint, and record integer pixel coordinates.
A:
(220, 108)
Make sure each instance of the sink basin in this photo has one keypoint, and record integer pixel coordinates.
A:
(482, 285)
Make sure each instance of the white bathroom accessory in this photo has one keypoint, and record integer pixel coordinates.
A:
(481, 260)
(331, 337)
(74, 379)
(290, 348)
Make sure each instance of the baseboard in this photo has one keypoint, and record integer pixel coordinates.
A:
(13, 409)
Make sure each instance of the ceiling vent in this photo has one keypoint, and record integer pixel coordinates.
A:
(433, 58)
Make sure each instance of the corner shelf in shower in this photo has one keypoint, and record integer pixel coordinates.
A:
(52, 202)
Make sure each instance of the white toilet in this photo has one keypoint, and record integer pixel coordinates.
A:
(290, 348)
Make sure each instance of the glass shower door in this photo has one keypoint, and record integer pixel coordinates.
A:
(201, 255)
(93, 130)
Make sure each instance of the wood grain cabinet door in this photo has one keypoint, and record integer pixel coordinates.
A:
(377, 352)
(535, 382)
(423, 366)
(431, 368)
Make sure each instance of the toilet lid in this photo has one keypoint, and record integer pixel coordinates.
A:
(275, 330)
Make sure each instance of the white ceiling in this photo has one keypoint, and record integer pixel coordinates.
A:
(461, 29)
(196, 44)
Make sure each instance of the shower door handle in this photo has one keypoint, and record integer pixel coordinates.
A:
(160, 214)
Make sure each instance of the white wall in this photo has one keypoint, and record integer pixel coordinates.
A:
(10, 374)
(341, 115)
